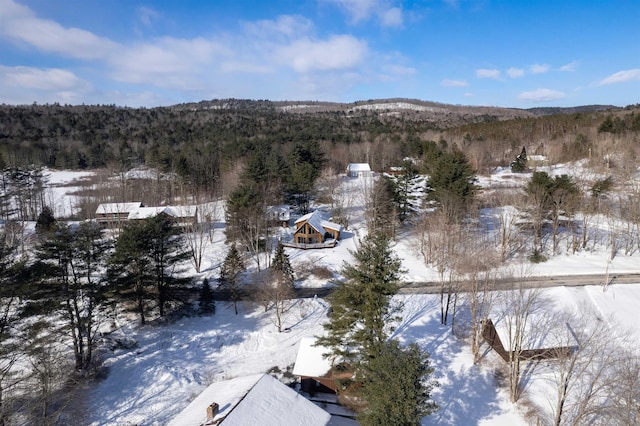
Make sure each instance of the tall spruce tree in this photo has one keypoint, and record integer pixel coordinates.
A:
(451, 184)
(396, 386)
(206, 302)
(167, 252)
(281, 266)
(363, 314)
(519, 165)
(130, 270)
(232, 267)
(46, 221)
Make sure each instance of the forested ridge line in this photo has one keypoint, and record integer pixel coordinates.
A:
(207, 138)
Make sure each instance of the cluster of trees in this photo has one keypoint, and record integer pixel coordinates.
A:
(393, 381)
(60, 292)
(270, 178)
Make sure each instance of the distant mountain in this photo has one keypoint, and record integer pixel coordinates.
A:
(571, 110)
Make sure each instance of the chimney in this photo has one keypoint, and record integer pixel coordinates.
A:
(212, 410)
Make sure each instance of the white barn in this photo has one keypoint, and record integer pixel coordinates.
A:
(359, 170)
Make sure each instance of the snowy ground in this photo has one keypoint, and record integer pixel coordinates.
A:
(171, 363)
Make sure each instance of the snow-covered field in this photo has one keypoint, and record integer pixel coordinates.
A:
(170, 364)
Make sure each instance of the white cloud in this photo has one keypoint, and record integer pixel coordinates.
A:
(515, 72)
(488, 73)
(399, 70)
(290, 26)
(570, 67)
(453, 83)
(391, 17)
(24, 85)
(337, 52)
(147, 15)
(43, 79)
(541, 95)
(539, 68)
(269, 58)
(19, 23)
(363, 10)
(468, 95)
(359, 10)
(621, 77)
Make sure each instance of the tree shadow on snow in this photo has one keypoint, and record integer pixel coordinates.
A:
(467, 393)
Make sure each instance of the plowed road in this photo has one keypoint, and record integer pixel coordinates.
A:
(530, 282)
(433, 287)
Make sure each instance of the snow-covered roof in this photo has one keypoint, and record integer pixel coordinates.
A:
(280, 212)
(183, 211)
(111, 208)
(359, 167)
(174, 211)
(252, 400)
(538, 335)
(317, 222)
(309, 361)
(147, 212)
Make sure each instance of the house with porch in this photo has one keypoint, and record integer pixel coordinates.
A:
(313, 230)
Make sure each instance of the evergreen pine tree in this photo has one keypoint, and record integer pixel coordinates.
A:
(166, 250)
(68, 262)
(362, 309)
(396, 386)
(281, 266)
(381, 210)
(232, 267)
(207, 304)
(451, 184)
(131, 271)
(46, 222)
(520, 163)
(145, 264)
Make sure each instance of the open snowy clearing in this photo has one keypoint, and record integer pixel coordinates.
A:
(173, 363)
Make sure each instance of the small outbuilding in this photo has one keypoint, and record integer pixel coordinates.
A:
(313, 369)
(537, 348)
(359, 170)
(279, 215)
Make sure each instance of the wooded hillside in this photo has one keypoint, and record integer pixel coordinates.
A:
(203, 141)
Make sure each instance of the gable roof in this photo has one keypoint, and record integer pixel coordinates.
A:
(317, 222)
(174, 211)
(310, 362)
(359, 167)
(111, 208)
(252, 400)
(147, 212)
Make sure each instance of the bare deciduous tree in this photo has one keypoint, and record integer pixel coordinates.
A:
(521, 324)
(598, 379)
(478, 264)
(197, 233)
(274, 293)
(439, 242)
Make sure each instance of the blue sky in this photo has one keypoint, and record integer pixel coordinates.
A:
(474, 52)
